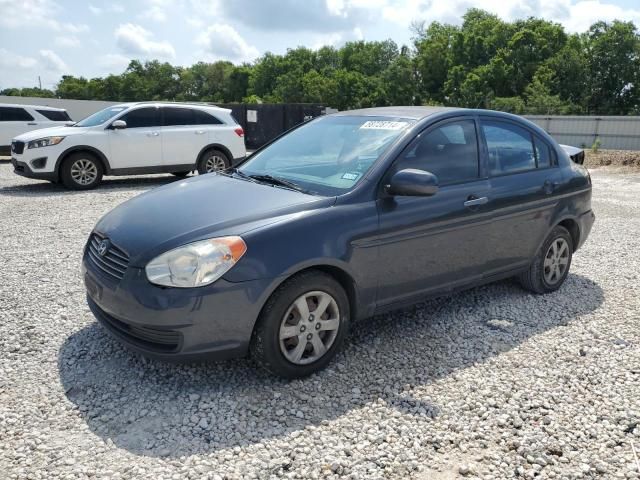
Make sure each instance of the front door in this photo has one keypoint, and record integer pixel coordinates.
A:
(139, 145)
(429, 244)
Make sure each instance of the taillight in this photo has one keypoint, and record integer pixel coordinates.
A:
(239, 131)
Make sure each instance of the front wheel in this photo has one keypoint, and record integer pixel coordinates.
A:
(213, 161)
(551, 265)
(81, 171)
(302, 325)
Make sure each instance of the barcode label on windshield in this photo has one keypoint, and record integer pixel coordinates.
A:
(383, 125)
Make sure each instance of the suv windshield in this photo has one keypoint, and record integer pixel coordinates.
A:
(100, 117)
(328, 156)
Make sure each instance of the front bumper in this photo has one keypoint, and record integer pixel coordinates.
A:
(25, 170)
(207, 323)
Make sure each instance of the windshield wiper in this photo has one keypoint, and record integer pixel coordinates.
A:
(278, 181)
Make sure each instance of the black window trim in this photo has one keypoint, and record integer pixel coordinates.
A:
(133, 109)
(163, 108)
(428, 129)
(9, 107)
(553, 160)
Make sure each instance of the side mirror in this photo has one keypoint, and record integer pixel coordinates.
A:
(119, 125)
(413, 183)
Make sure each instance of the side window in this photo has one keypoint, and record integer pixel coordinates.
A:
(142, 117)
(510, 148)
(55, 115)
(450, 152)
(173, 116)
(14, 114)
(204, 118)
(543, 153)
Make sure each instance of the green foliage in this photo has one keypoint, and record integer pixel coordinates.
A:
(526, 66)
(595, 147)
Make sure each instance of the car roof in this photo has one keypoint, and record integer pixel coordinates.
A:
(173, 104)
(415, 112)
(39, 107)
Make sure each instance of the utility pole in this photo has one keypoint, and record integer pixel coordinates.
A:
(39, 82)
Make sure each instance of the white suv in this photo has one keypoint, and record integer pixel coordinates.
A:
(18, 119)
(129, 139)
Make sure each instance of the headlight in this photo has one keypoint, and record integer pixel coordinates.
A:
(196, 264)
(44, 142)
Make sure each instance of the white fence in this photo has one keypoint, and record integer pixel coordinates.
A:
(617, 133)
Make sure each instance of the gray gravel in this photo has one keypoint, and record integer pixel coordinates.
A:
(493, 383)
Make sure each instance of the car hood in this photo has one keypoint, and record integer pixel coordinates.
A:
(51, 132)
(202, 207)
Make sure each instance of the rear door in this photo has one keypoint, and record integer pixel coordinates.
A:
(185, 132)
(139, 145)
(524, 178)
(429, 244)
(13, 122)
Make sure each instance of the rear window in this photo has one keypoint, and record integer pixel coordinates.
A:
(55, 115)
(204, 118)
(14, 114)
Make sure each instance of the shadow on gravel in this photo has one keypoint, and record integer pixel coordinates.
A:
(158, 409)
(48, 189)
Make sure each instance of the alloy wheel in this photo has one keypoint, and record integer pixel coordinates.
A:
(84, 172)
(556, 261)
(215, 163)
(309, 327)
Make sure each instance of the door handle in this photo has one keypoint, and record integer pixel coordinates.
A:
(199, 132)
(153, 134)
(549, 186)
(32, 123)
(474, 201)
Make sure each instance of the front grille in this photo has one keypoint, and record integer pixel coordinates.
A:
(16, 166)
(17, 147)
(113, 262)
(155, 339)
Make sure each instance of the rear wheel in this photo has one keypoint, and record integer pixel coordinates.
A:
(302, 325)
(551, 265)
(81, 171)
(213, 161)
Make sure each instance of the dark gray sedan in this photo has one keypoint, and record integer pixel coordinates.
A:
(346, 216)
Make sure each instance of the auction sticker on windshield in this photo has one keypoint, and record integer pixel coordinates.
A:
(383, 125)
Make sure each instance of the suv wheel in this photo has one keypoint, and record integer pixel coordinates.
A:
(81, 171)
(213, 161)
(302, 325)
(551, 265)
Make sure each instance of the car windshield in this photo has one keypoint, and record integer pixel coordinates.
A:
(100, 117)
(327, 156)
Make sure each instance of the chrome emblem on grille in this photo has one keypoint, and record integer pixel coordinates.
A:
(103, 247)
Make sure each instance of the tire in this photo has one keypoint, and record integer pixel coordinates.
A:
(180, 174)
(281, 316)
(213, 160)
(71, 172)
(551, 264)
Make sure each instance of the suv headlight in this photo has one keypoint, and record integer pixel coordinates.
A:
(44, 142)
(196, 264)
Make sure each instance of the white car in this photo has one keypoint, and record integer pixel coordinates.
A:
(18, 119)
(130, 139)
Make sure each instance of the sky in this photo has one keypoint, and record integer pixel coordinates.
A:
(49, 38)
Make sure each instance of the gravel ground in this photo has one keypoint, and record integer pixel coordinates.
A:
(493, 383)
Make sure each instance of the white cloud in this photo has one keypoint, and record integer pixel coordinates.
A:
(337, 39)
(114, 61)
(113, 8)
(156, 10)
(134, 39)
(35, 13)
(11, 60)
(52, 62)
(576, 16)
(67, 41)
(222, 41)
